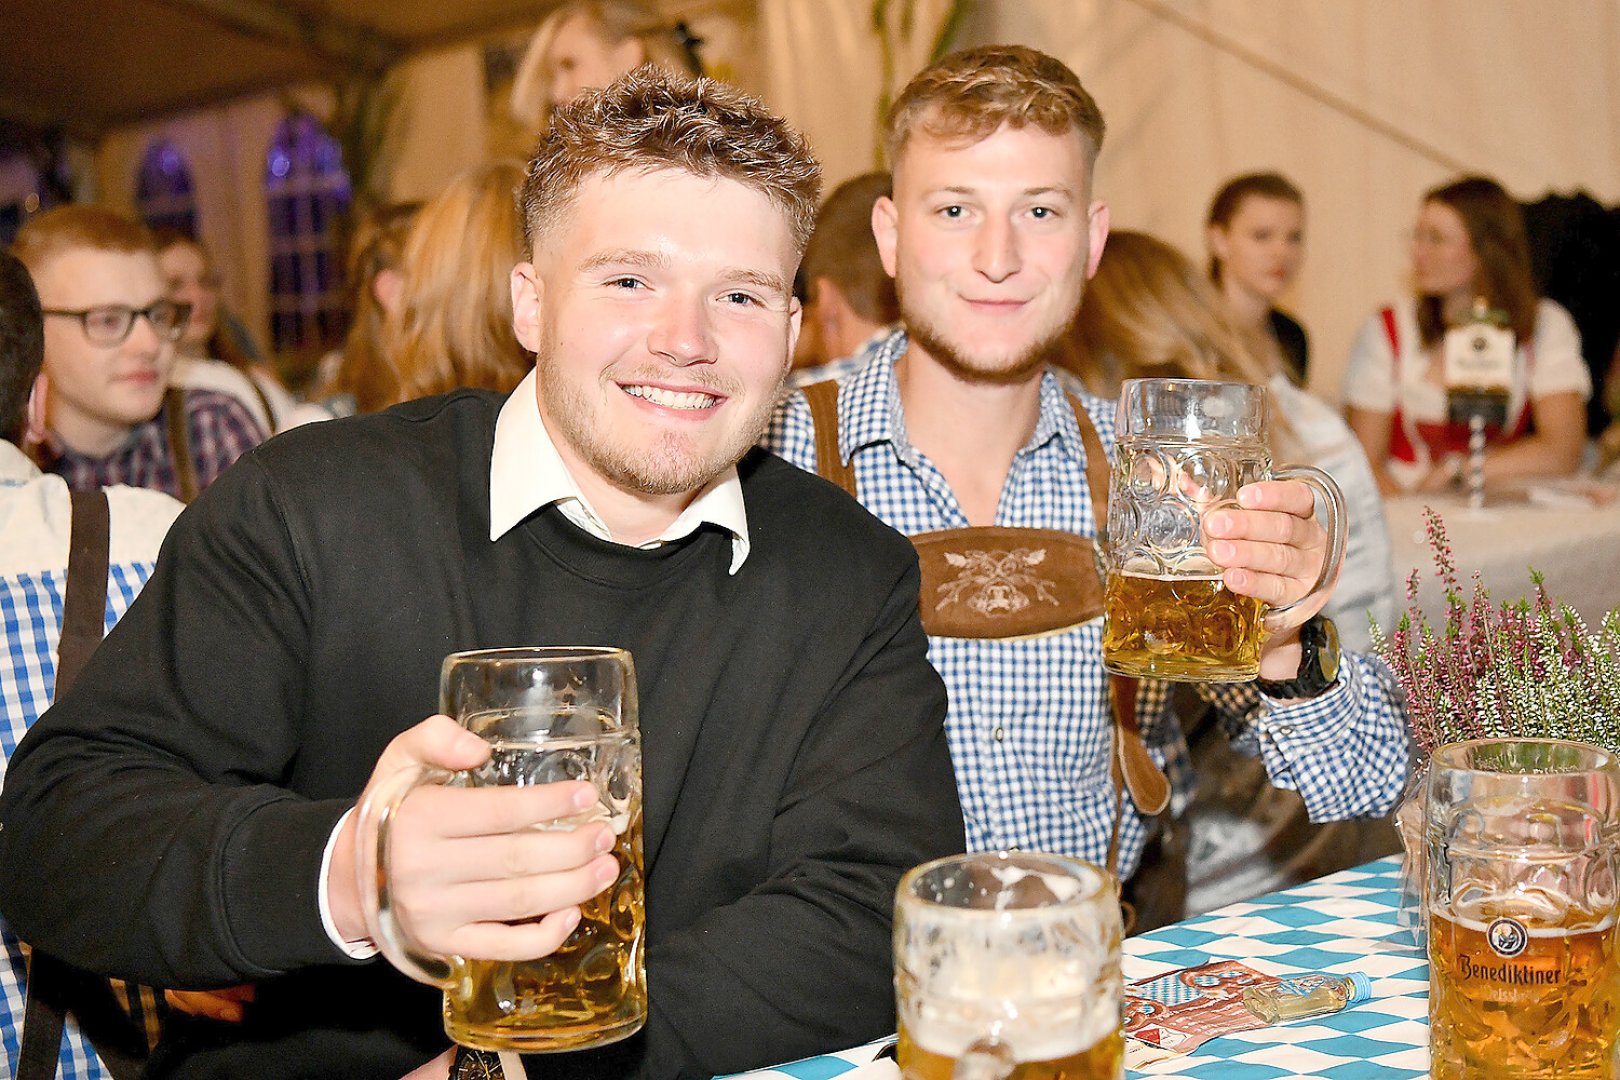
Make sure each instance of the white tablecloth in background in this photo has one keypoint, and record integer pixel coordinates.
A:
(1578, 550)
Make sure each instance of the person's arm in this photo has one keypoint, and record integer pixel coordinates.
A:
(802, 963)
(1553, 450)
(158, 781)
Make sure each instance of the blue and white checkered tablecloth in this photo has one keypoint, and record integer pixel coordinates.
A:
(1340, 923)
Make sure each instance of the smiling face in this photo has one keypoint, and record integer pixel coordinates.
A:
(98, 392)
(659, 309)
(1443, 259)
(990, 244)
(1261, 248)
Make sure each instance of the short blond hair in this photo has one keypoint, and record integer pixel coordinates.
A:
(971, 94)
(75, 228)
(653, 119)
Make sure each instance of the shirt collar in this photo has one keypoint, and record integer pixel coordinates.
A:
(526, 473)
(875, 414)
(15, 467)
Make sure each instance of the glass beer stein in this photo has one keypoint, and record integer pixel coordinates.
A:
(1185, 447)
(550, 714)
(1006, 964)
(1523, 975)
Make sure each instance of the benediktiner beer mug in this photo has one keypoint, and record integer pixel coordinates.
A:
(1185, 447)
(550, 714)
(1524, 980)
(1006, 965)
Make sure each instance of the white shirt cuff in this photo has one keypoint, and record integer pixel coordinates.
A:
(363, 949)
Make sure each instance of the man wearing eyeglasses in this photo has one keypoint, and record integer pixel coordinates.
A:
(109, 344)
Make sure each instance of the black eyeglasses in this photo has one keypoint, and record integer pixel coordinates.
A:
(110, 324)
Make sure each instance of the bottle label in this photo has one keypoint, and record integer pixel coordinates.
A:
(1479, 356)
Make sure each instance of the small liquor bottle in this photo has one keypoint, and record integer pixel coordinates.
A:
(1310, 995)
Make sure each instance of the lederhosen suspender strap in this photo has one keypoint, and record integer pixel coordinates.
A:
(185, 469)
(1058, 568)
(55, 987)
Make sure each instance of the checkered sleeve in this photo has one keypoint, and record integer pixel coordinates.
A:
(1344, 751)
(221, 430)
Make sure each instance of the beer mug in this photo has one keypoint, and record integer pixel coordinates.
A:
(1524, 980)
(1006, 964)
(1185, 447)
(549, 714)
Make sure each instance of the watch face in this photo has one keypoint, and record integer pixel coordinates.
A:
(1327, 654)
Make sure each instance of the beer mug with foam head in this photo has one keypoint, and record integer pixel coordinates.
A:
(1185, 447)
(1524, 980)
(1006, 965)
(550, 714)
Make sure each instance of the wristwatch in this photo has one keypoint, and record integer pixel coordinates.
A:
(1318, 663)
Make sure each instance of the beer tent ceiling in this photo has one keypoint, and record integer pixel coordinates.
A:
(90, 65)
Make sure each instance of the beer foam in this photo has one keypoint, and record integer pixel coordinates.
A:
(1062, 887)
(1044, 1006)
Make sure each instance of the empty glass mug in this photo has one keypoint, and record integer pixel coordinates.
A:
(550, 714)
(1006, 964)
(1185, 447)
(1524, 980)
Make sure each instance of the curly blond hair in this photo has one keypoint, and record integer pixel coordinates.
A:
(654, 119)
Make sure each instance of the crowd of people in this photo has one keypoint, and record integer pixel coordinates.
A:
(586, 400)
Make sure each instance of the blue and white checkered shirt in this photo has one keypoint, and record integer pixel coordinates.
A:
(1029, 719)
(34, 525)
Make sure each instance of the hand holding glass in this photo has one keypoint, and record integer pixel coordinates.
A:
(550, 715)
(1185, 447)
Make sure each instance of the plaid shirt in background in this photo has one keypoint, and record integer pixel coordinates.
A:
(34, 517)
(1028, 722)
(220, 428)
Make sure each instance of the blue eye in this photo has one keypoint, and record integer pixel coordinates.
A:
(1041, 213)
(740, 298)
(626, 283)
(953, 212)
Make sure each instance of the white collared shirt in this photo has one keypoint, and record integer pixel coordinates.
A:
(527, 473)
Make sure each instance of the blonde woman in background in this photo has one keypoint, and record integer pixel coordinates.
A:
(359, 378)
(453, 323)
(589, 43)
(1150, 313)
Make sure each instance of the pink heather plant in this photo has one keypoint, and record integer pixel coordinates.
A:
(1529, 669)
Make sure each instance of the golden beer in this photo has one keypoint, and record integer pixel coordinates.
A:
(1103, 1061)
(593, 989)
(1513, 1000)
(1180, 628)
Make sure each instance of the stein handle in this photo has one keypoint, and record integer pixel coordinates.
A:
(1282, 618)
(373, 865)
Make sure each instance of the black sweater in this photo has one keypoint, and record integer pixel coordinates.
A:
(165, 822)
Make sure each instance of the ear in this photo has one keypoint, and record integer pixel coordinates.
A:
(527, 291)
(1097, 229)
(1215, 239)
(795, 322)
(886, 231)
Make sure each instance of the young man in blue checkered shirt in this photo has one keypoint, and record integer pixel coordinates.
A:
(34, 526)
(955, 421)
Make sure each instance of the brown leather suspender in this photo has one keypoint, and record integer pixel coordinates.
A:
(55, 987)
(185, 468)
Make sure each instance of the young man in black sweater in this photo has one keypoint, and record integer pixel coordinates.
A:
(182, 817)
